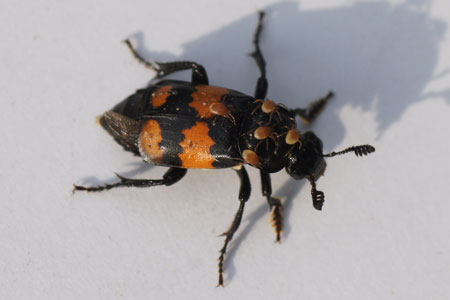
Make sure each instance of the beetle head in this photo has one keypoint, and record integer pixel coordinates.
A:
(307, 161)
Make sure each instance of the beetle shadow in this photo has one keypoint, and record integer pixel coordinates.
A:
(376, 56)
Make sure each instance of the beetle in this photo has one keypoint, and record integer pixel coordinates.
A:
(191, 124)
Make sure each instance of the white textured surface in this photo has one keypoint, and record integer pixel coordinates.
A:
(384, 232)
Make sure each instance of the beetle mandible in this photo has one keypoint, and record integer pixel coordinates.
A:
(183, 125)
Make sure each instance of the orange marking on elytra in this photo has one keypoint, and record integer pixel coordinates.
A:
(197, 147)
(150, 138)
(204, 97)
(160, 95)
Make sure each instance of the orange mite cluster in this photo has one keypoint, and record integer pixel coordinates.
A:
(265, 131)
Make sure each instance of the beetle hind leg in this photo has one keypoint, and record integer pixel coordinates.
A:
(172, 176)
(199, 75)
(308, 115)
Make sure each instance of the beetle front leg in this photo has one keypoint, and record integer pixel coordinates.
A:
(244, 194)
(314, 109)
(199, 75)
(172, 176)
(274, 204)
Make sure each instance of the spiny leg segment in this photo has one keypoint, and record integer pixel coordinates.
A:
(172, 176)
(199, 75)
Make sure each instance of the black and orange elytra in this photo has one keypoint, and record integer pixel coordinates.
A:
(191, 124)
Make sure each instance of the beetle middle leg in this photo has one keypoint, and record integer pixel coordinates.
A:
(244, 194)
(262, 84)
(274, 203)
(314, 109)
(199, 75)
(172, 176)
(260, 93)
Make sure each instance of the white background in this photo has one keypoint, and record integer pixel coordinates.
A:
(384, 230)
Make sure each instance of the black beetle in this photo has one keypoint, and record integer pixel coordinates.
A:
(185, 125)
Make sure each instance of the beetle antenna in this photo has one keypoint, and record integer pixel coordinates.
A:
(318, 197)
(359, 151)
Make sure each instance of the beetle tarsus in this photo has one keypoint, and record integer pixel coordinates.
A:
(274, 204)
(149, 64)
(171, 176)
(244, 194)
(228, 237)
(199, 75)
(277, 219)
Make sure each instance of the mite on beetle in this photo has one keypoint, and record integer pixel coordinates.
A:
(183, 125)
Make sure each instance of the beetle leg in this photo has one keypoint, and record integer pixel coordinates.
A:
(314, 109)
(262, 84)
(199, 75)
(244, 194)
(274, 204)
(172, 176)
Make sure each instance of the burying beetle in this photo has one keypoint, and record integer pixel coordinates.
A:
(183, 125)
